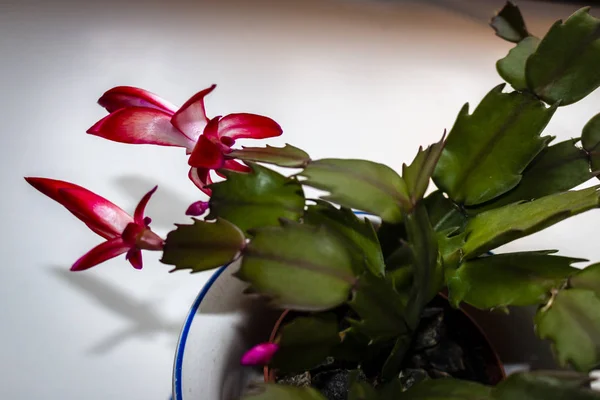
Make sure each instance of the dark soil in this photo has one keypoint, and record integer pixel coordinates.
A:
(447, 344)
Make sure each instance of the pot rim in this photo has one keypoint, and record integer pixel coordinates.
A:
(481, 331)
(269, 374)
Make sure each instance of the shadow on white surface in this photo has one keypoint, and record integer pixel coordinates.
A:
(255, 327)
(235, 379)
(143, 318)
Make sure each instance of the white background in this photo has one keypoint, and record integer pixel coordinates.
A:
(344, 78)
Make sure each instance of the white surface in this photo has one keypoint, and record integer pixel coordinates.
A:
(344, 78)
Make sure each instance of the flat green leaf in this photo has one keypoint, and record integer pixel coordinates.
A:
(362, 391)
(259, 198)
(590, 140)
(486, 152)
(544, 386)
(298, 266)
(563, 378)
(519, 386)
(587, 278)
(402, 276)
(271, 391)
(564, 68)
(450, 247)
(391, 390)
(572, 321)
(203, 245)
(288, 156)
(391, 367)
(512, 279)
(418, 174)
(443, 213)
(357, 232)
(306, 342)
(354, 347)
(360, 184)
(380, 307)
(446, 389)
(428, 273)
(512, 67)
(509, 23)
(556, 169)
(493, 228)
(391, 236)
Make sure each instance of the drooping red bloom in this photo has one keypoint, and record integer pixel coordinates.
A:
(123, 233)
(140, 117)
(261, 354)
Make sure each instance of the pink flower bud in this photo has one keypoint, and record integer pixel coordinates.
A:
(196, 209)
(260, 354)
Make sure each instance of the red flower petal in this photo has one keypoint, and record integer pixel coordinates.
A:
(207, 154)
(134, 256)
(201, 178)
(138, 215)
(50, 187)
(95, 211)
(260, 354)
(211, 130)
(131, 233)
(191, 117)
(234, 165)
(196, 209)
(99, 214)
(251, 126)
(140, 125)
(149, 240)
(104, 251)
(128, 96)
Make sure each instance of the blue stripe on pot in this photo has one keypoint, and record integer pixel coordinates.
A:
(179, 353)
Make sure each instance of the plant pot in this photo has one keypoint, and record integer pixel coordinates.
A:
(463, 330)
(221, 325)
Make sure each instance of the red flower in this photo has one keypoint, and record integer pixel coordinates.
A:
(140, 117)
(123, 233)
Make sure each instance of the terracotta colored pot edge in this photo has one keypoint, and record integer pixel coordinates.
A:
(497, 361)
(270, 373)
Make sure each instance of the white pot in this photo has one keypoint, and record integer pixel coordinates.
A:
(221, 325)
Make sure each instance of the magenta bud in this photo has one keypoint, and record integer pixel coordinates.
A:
(196, 209)
(260, 354)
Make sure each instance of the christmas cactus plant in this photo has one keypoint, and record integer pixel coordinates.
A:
(359, 292)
